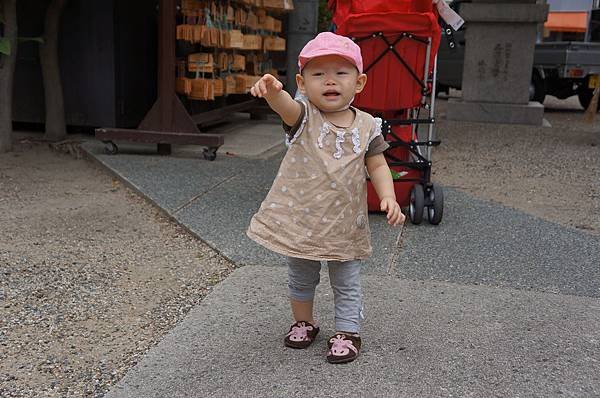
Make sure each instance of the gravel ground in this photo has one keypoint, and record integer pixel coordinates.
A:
(550, 172)
(91, 276)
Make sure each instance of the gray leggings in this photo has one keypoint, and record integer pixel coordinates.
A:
(304, 276)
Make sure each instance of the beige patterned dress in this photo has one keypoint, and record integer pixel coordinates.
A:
(317, 206)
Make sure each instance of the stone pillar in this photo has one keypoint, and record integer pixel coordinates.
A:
(302, 27)
(500, 41)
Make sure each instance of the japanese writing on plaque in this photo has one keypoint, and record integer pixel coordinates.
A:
(500, 63)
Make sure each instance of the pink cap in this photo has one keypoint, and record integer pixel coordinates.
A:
(328, 43)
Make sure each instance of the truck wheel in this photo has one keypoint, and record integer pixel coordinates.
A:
(585, 94)
(537, 88)
(441, 88)
(585, 97)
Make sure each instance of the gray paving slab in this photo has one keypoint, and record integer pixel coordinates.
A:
(221, 216)
(480, 242)
(421, 339)
(169, 181)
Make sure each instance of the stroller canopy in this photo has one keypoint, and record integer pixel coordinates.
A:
(395, 76)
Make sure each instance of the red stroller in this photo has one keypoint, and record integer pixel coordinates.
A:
(399, 40)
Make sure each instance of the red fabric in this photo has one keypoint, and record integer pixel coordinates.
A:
(389, 85)
(419, 24)
(401, 187)
(401, 153)
(343, 8)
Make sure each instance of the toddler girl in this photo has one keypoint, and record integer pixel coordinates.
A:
(316, 209)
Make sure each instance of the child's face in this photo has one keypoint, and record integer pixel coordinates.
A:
(330, 82)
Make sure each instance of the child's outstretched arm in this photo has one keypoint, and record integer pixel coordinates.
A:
(271, 89)
(381, 177)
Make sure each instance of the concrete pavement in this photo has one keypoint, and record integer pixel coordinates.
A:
(493, 302)
(422, 339)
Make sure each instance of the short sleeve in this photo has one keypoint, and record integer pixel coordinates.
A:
(377, 146)
(292, 130)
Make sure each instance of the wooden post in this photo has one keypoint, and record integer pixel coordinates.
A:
(167, 113)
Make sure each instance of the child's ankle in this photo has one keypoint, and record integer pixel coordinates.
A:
(311, 321)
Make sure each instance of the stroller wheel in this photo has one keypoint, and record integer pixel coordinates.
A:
(435, 210)
(417, 204)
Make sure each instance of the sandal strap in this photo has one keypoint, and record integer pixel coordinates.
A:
(345, 340)
(303, 330)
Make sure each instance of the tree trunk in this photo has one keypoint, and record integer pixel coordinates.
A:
(7, 73)
(53, 94)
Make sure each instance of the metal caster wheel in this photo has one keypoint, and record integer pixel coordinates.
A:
(210, 154)
(110, 148)
(417, 204)
(435, 210)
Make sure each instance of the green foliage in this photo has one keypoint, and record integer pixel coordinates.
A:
(324, 16)
(4, 46)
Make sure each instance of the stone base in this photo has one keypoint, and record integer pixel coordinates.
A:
(491, 112)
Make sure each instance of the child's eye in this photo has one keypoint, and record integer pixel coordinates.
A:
(318, 74)
(342, 73)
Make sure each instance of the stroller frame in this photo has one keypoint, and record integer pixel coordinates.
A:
(425, 194)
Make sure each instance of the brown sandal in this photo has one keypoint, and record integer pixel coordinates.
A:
(301, 335)
(343, 347)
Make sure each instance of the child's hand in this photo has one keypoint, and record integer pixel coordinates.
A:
(266, 87)
(394, 215)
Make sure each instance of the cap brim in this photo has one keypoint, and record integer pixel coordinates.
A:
(320, 53)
